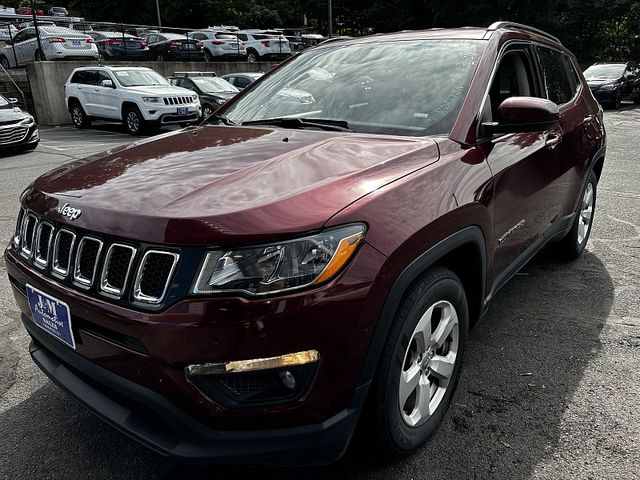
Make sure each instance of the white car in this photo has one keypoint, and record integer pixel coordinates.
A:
(139, 97)
(264, 44)
(55, 43)
(219, 44)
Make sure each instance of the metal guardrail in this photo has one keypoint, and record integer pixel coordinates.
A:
(24, 100)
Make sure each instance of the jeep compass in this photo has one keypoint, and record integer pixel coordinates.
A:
(239, 290)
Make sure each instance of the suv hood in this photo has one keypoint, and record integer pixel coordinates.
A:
(226, 185)
(159, 90)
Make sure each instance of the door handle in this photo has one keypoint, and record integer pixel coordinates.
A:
(553, 140)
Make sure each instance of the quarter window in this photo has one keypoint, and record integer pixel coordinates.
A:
(555, 75)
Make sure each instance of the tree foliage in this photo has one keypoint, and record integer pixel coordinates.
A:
(593, 29)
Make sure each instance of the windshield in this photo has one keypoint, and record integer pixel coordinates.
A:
(403, 87)
(139, 78)
(604, 71)
(213, 85)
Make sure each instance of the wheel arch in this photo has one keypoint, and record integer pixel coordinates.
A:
(125, 105)
(464, 253)
(72, 100)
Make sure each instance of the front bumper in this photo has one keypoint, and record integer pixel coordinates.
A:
(605, 96)
(29, 140)
(128, 366)
(169, 114)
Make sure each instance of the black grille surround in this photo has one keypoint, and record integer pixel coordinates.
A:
(105, 266)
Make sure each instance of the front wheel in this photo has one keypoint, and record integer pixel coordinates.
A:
(574, 243)
(133, 121)
(207, 110)
(618, 101)
(421, 362)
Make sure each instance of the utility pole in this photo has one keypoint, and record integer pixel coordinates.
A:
(158, 12)
(330, 20)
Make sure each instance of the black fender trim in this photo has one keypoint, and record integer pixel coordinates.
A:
(470, 235)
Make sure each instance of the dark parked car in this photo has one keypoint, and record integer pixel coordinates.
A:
(236, 292)
(173, 46)
(611, 83)
(213, 91)
(18, 129)
(242, 80)
(116, 45)
(58, 12)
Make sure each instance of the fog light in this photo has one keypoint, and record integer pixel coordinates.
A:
(287, 379)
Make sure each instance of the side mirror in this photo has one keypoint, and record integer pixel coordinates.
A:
(107, 84)
(523, 115)
(13, 100)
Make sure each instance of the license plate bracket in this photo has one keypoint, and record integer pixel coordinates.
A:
(51, 315)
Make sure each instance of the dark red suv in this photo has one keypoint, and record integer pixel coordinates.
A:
(237, 291)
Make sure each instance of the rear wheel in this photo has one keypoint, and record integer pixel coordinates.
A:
(574, 243)
(78, 117)
(617, 103)
(252, 56)
(636, 100)
(39, 56)
(421, 362)
(133, 121)
(4, 61)
(160, 58)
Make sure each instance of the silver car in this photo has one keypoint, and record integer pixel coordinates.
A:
(55, 43)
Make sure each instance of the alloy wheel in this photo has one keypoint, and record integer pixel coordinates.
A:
(207, 111)
(429, 363)
(586, 214)
(76, 116)
(133, 122)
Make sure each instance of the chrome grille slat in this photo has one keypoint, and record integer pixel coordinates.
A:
(18, 232)
(139, 292)
(63, 237)
(29, 226)
(44, 233)
(107, 283)
(84, 253)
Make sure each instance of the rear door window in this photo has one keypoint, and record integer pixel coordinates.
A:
(556, 78)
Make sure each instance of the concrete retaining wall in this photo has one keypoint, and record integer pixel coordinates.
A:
(47, 81)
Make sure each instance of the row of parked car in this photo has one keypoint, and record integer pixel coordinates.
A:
(83, 42)
(143, 100)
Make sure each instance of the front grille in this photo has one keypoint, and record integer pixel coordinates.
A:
(177, 100)
(12, 135)
(80, 261)
(154, 275)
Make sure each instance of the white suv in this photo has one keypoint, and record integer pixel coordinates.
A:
(264, 44)
(139, 97)
(219, 45)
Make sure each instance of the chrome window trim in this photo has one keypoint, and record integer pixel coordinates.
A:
(104, 282)
(141, 297)
(39, 261)
(77, 276)
(27, 252)
(55, 269)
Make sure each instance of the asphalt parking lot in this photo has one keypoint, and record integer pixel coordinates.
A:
(549, 389)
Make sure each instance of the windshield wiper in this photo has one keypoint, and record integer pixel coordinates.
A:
(297, 122)
(223, 120)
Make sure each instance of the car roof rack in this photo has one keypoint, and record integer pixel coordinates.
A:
(519, 26)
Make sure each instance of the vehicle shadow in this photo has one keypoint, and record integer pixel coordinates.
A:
(116, 127)
(523, 364)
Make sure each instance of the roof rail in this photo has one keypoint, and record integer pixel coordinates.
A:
(519, 26)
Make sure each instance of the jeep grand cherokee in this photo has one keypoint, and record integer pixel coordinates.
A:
(236, 291)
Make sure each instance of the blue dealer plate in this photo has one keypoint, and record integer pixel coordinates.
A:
(183, 111)
(51, 315)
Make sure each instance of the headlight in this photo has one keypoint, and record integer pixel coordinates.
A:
(194, 98)
(279, 266)
(151, 99)
(28, 122)
(609, 86)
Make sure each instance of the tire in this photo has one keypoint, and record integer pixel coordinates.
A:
(252, 56)
(160, 58)
(574, 243)
(402, 424)
(636, 101)
(133, 121)
(207, 110)
(39, 57)
(207, 56)
(4, 61)
(78, 116)
(617, 103)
